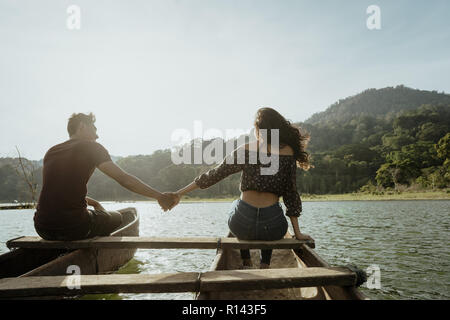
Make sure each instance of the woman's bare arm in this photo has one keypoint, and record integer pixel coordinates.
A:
(298, 234)
(176, 196)
(190, 187)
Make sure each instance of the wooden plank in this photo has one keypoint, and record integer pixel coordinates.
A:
(118, 242)
(286, 243)
(156, 243)
(226, 280)
(92, 284)
(262, 279)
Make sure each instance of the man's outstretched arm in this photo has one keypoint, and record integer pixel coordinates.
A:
(134, 184)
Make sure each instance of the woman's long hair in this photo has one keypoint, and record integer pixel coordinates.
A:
(289, 134)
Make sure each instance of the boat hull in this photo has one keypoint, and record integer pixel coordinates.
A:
(53, 262)
(229, 259)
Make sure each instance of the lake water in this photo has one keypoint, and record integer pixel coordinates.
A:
(407, 240)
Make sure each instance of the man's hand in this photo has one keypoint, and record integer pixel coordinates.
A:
(94, 203)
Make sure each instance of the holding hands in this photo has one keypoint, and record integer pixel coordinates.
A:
(168, 200)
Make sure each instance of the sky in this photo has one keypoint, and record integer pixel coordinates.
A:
(149, 68)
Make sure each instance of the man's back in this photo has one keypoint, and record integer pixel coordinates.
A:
(66, 172)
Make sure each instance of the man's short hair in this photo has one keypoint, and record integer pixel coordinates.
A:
(76, 119)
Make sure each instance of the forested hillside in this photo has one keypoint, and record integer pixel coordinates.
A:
(387, 138)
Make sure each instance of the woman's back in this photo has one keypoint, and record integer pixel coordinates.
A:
(263, 181)
(261, 199)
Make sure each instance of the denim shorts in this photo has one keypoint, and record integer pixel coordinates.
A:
(247, 222)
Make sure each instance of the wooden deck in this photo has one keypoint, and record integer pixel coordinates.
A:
(296, 273)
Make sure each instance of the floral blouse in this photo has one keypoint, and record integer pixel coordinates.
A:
(281, 183)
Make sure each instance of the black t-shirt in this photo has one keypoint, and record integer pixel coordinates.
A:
(66, 172)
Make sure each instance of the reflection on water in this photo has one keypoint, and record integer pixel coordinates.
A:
(408, 240)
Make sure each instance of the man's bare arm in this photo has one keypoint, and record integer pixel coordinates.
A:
(133, 184)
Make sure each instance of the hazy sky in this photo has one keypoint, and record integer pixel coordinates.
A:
(147, 68)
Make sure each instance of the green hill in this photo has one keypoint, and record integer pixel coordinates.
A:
(378, 103)
(379, 139)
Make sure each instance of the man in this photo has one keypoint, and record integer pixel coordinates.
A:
(62, 212)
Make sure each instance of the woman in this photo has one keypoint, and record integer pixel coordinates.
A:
(258, 215)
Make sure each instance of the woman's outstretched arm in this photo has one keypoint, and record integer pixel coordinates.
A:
(176, 196)
(190, 187)
(228, 166)
(233, 163)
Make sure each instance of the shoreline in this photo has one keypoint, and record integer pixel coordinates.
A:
(424, 195)
(8, 206)
(357, 196)
(391, 196)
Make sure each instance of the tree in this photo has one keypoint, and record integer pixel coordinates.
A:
(443, 147)
(26, 169)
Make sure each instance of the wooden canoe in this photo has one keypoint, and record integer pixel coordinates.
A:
(53, 262)
(229, 259)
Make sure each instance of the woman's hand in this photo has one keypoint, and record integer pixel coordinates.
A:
(298, 234)
(302, 236)
(164, 201)
(175, 198)
(168, 200)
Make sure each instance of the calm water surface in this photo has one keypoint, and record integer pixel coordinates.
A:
(407, 240)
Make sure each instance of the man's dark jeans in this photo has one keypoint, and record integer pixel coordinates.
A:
(101, 223)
